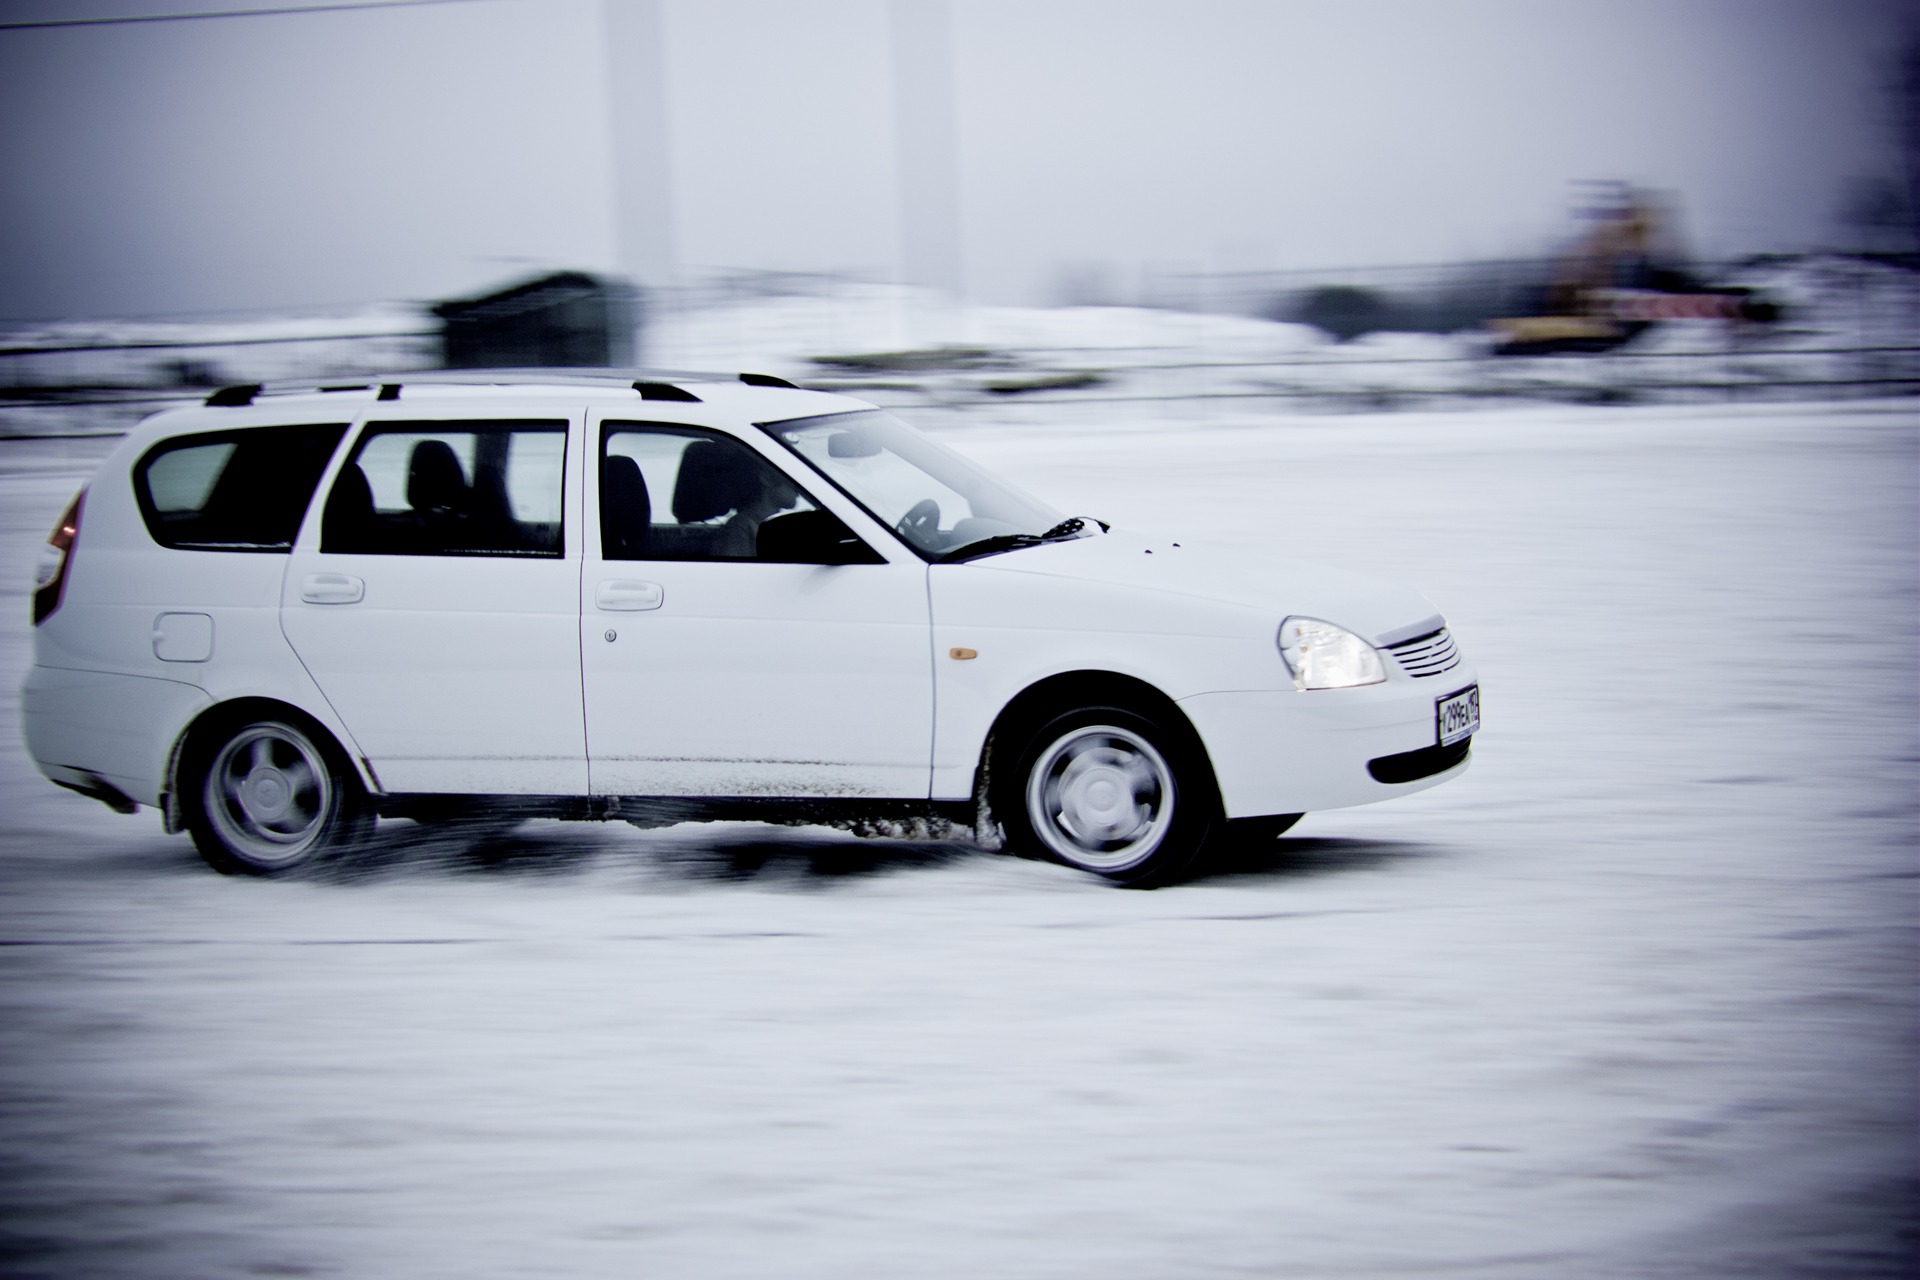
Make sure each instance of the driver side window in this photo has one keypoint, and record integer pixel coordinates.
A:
(682, 493)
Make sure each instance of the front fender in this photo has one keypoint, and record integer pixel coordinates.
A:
(1023, 628)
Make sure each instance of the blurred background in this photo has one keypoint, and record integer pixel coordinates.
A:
(1633, 998)
(940, 203)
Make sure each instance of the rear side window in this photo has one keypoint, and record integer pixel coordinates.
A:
(244, 490)
(450, 489)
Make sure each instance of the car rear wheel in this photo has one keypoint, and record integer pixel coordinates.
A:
(271, 799)
(1113, 792)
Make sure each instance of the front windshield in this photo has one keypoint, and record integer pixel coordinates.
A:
(936, 500)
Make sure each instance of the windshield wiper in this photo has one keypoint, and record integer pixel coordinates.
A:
(1071, 527)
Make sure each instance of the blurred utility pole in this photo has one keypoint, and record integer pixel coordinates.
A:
(926, 145)
(1907, 111)
(642, 153)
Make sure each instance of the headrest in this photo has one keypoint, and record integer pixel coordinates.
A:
(434, 479)
(716, 476)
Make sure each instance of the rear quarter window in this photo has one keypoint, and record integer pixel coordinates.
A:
(237, 490)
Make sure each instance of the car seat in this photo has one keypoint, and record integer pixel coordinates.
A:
(720, 479)
(437, 492)
(626, 510)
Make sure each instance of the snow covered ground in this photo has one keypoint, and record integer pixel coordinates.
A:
(1632, 998)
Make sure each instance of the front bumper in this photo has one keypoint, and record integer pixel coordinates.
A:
(1284, 751)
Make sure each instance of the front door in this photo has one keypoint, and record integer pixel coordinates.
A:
(438, 606)
(711, 667)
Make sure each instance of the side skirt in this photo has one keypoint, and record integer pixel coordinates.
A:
(921, 819)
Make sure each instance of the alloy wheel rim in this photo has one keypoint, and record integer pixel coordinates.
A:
(268, 794)
(1101, 797)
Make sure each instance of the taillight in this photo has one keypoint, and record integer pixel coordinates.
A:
(50, 573)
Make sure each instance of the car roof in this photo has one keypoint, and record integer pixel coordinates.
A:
(723, 397)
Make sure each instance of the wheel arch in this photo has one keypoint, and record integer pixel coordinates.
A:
(1067, 690)
(204, 732)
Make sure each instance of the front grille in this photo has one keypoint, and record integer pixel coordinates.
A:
(1429, 655)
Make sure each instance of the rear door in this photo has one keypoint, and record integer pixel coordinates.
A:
(436, 602)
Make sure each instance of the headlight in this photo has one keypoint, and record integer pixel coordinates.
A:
(1323, 656)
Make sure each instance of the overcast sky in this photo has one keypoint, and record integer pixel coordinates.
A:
(325, 159)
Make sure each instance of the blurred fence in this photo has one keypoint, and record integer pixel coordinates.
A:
(1420, 298)
(62, 384)
(1418, 336)
(1066, 378)
(1453, 296)
(1850, 327)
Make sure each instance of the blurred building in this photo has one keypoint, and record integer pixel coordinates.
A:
(565, 320)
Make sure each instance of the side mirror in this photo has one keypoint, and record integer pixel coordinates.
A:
(852, 444)
(811, 537)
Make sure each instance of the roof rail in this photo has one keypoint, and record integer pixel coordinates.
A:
(654, 385)
(664, 391)
(233, 397)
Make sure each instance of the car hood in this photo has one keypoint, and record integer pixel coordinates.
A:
(1380, 611)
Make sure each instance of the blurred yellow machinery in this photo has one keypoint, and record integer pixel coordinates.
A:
(1624, 275)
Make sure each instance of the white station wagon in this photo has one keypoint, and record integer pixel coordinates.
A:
(282, 614)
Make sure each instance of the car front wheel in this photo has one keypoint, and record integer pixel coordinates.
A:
(270, 799)
(1112, 792)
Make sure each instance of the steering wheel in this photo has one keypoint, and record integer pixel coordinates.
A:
(921, 524)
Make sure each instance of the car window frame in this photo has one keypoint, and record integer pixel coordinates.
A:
(545, 419)
(607, 424)
(152, 518)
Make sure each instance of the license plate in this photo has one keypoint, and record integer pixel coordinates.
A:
(1458, 716)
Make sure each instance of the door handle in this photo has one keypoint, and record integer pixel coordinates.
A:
(332, 588)
(626, 595)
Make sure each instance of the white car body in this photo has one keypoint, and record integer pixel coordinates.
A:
(603, 686)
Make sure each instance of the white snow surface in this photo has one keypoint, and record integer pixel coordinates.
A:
(1631, 998)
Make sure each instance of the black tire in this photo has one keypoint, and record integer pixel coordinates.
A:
(1113, 792)
(270, 795)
